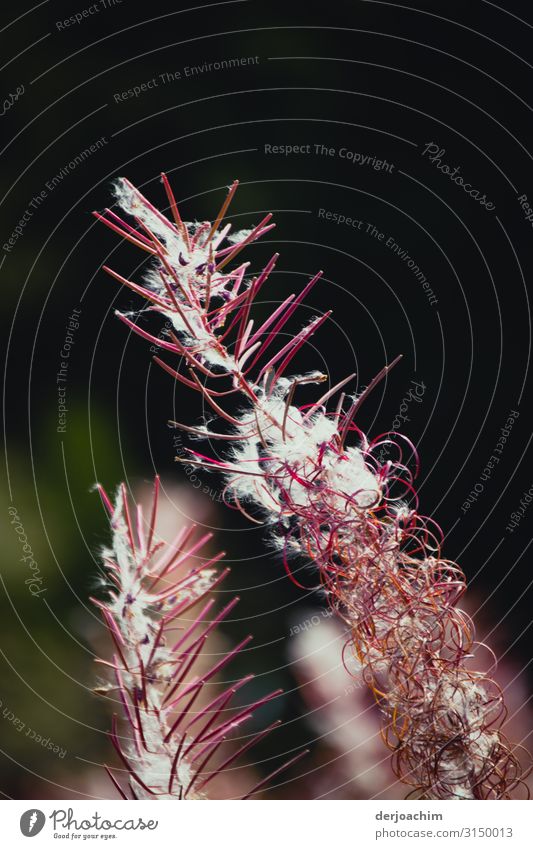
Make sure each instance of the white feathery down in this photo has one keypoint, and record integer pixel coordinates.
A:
(187, 258)
(175, 729)
(133, 611)
(287, 437)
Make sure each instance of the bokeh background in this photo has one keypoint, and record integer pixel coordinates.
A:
(362, 78)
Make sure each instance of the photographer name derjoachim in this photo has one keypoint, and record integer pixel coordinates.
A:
(399, 816)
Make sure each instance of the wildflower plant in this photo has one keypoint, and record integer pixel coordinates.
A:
(168, 746)
(321, 485)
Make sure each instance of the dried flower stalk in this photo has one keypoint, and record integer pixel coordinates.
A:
(338, 504)
(169, 749)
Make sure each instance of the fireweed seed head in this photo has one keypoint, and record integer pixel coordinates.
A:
(159, 614)
(345, 502)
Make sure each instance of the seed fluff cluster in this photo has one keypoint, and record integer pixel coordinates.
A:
(317, 480)
(173, 742)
